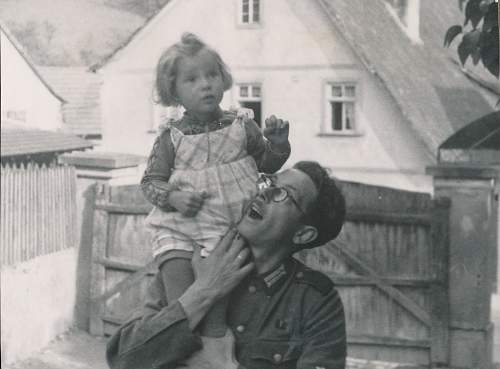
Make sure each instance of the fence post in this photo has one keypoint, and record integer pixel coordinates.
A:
(97, 284)
(440, 345)
(472, 260)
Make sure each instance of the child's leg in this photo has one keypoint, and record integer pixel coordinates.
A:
(177, 275)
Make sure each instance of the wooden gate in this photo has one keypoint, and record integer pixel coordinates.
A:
(389, 264)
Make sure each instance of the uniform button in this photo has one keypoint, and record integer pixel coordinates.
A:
(300, 275)
(252, 289)
(277, 358)
(240, 328)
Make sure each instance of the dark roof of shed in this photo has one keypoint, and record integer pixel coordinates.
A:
(80, 88)
(433, 94)
(17, 140)
(483, 133)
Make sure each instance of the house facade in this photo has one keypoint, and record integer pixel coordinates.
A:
(309, 62)
(27, 99)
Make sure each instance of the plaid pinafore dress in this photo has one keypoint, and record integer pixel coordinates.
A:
(216, 162)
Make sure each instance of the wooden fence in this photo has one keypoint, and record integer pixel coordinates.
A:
(38, 211)
(390, 267)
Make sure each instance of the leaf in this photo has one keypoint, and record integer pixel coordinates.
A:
(489, 51)
(463, 52)
(472, 38)
(476, 55)
(491, 17)
(451, 33)
(470, 42)
(473, 12)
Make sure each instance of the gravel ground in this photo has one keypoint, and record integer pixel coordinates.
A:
(74, 350)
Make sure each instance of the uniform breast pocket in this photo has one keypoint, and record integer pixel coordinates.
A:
(275, 354)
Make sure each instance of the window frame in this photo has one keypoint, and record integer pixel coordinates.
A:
(250, 97)
(326, 129)
(251, 21)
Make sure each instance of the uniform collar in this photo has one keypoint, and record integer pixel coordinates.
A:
(272, 280)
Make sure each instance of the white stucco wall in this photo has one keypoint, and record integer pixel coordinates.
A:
(24, 97)
(292, 72)
(37, 304)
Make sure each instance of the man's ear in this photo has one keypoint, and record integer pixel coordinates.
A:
(304, 235)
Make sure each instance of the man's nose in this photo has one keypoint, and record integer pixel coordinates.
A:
(263, 195)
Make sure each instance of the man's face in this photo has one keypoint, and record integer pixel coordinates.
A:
(266, 221)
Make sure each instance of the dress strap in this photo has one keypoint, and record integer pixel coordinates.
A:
(176, 135)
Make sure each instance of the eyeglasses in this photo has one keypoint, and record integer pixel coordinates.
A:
(266, 183)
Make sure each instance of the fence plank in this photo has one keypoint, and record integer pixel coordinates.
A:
(38, 211)
(393, 293)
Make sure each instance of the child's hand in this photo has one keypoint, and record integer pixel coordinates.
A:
(276, 130)
(186, 202)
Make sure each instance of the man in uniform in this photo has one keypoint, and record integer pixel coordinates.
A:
(282, 314)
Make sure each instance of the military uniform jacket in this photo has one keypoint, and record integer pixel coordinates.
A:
(291, 317)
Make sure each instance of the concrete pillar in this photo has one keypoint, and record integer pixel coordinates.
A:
(472, 259)
(94, 170)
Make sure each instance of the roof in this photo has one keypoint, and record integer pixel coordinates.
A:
(17, 140)
(81, 90)
(483, 133)
(4, 29)
(147, 23)
(81, 32)
(432, 93)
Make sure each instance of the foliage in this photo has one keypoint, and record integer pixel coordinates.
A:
(38, 38)
(480, 40)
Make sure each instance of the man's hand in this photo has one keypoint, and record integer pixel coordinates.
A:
(276, 130)
(225, 267)
(215, 276)
(186, 202)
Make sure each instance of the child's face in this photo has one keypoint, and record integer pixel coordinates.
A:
(198, 85)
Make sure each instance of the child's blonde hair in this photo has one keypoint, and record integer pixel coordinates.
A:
(166, 70)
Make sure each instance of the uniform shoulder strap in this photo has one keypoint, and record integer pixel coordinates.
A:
(315, 279)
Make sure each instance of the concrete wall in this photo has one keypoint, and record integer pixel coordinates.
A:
(25, 98)
(384, 150)
(37, 302)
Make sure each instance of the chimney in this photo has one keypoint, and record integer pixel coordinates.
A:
(413, 19)
(407, 15)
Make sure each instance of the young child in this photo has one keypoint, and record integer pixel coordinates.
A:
(203, 166)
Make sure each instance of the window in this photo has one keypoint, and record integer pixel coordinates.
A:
(162, 114)
(340, 108)
(249, 11)
(250, 96)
